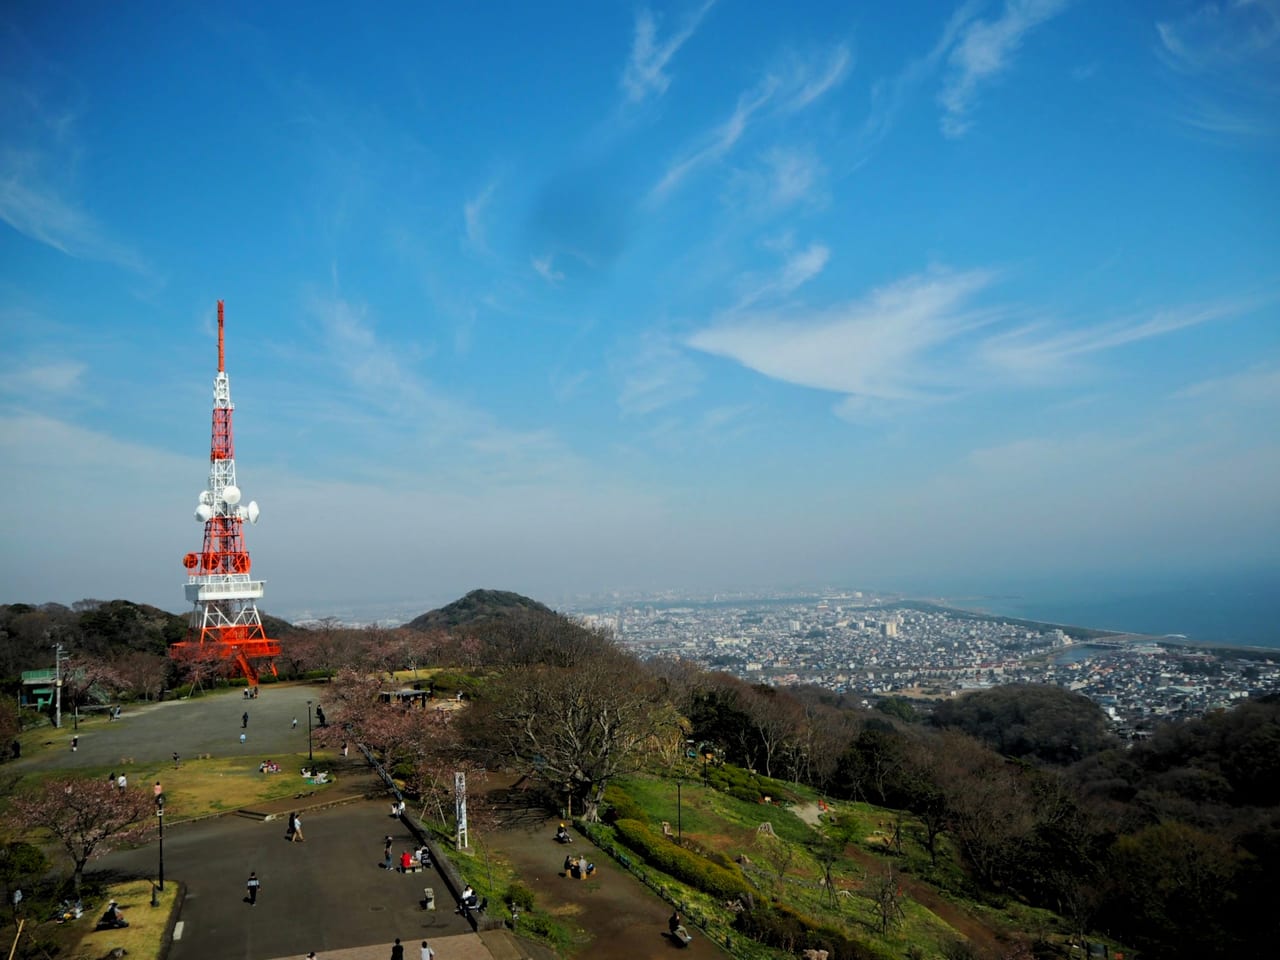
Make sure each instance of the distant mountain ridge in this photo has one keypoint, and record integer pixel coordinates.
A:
(479, 606)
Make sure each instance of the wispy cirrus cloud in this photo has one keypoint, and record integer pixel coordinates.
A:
(645, 75)
(1225, 60)
(544, 267)
(785, 91)
(42, 378)
(1034, 352)
(36, 208)
(473, 217)
(874, 347)
(926, 338)
(799, 268)
(983, 50)
(653, 373)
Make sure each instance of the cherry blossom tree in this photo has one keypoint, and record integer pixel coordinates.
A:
(85, 816)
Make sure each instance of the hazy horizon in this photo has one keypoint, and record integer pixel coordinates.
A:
(690, 296)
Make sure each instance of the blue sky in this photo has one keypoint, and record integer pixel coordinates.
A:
(578, 297)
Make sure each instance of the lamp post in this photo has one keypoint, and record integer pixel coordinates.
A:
(679, 814)
(310, 758)
(160, 820)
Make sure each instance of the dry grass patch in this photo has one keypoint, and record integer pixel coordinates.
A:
(199, 788)
(143, 938)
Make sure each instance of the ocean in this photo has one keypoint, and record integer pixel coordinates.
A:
(1240, 611)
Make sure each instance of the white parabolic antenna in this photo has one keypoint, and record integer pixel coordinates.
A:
(204, 512)
(253, 511)
(231, 495)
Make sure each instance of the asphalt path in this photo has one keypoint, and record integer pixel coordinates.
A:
(208, 724)
(326, 893)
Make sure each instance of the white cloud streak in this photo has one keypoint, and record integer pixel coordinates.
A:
(872, 347)
(36, 210)
(982, 52)
(545, 269)
(473, 214)
(645, 75)
(777, 94)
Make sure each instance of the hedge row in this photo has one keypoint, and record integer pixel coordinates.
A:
(660, 853)
(780, 926)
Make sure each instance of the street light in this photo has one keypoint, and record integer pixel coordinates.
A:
(160, 820)
(679, 814)
(310, 758)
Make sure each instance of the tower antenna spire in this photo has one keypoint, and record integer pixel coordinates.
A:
(225, 623)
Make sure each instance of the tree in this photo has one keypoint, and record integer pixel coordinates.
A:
(85, 816)
(885, 891)
(142, 674)
(572, 728)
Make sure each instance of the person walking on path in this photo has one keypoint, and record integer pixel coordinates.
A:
(252, 886)
(397, 952)
(75, 743)
(297, 830)
(242, 739)
(121, 782)
(295, 723)
(244, 721)
(427, 952)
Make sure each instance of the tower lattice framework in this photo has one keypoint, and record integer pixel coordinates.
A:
(225, 623)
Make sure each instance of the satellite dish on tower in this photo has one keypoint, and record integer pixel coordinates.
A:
(253, 511)
(231, 494)
(204, 512)
(206, 497)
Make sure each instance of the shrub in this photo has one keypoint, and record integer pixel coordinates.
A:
(661, 853)
(520, 895)
(621, 806)
(782, 927)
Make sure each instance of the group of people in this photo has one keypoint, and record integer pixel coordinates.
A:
(268, 766)
(421, 856)
(578, 868)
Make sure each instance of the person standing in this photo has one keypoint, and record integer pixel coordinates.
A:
(242, 739)
(176, 760)
(157, 790)
(295, 723)
(397, 952)
(427, 952)
(297, 830)
(75, 743)
(121, 782)
(252, 886)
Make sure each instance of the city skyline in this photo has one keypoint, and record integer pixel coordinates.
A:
(697, 296)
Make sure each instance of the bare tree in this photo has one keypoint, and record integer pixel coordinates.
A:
(142, 674)
(887, 895)
(85, 816)
(572, 728)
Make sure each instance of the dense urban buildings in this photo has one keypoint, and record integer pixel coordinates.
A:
(878, 646)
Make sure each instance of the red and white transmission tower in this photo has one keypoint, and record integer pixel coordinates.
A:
(225, 624)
